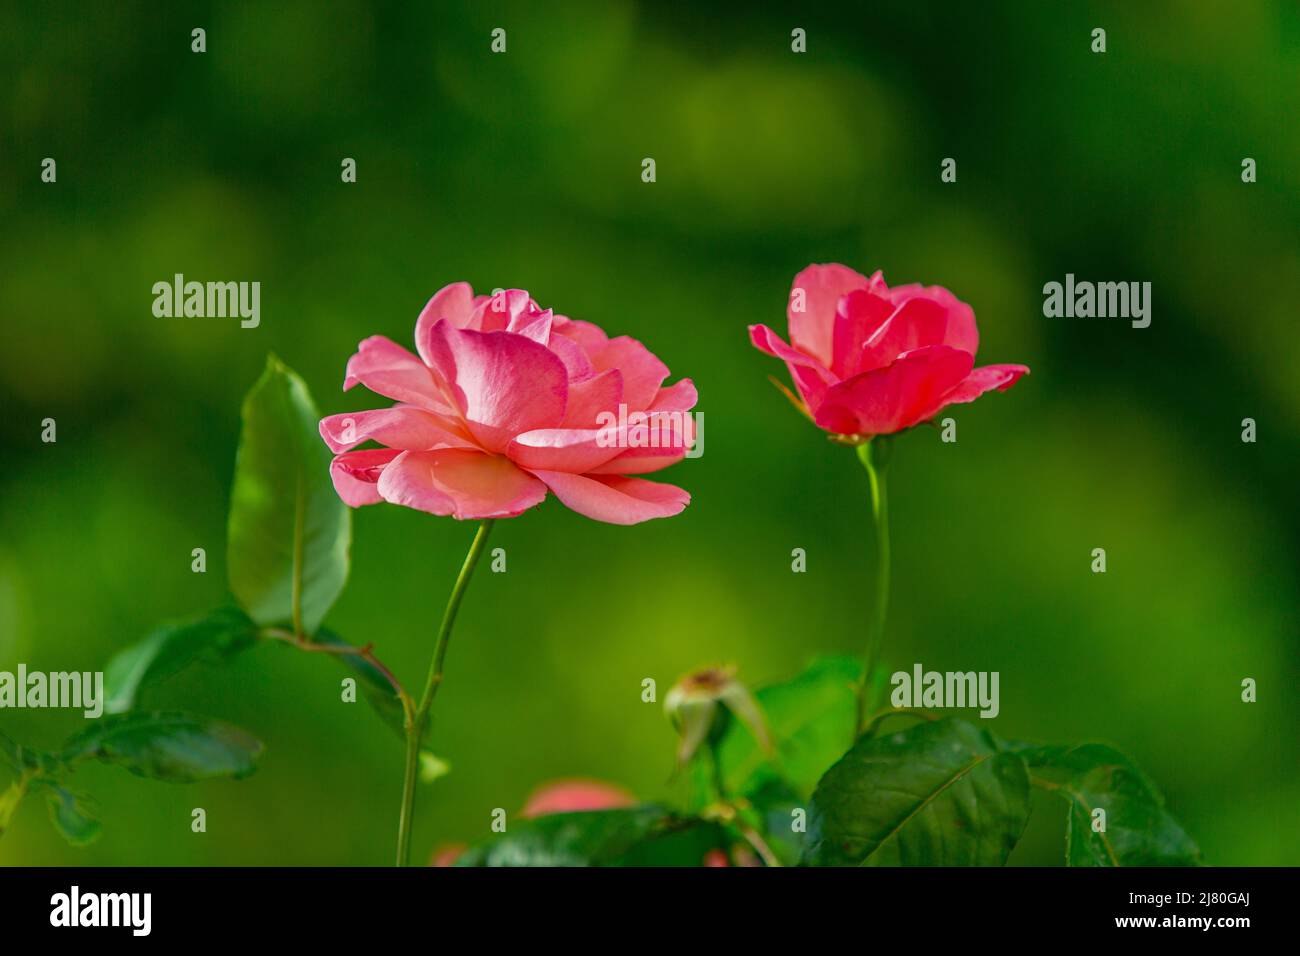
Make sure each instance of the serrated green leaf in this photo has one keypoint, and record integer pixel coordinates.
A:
(170, 649)
(289, 532)
(937, 794)
(1138, 829)
(179, 748)
(645, 835)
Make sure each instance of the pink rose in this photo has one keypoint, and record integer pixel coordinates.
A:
(871, 360)
(571, 796)
(504, 401)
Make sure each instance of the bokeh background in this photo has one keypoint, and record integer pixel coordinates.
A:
(523, 169)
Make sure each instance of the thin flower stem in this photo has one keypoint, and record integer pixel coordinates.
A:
(874, 455)
(409, 772)
(415, 724)
(759, 844)
(715, 768)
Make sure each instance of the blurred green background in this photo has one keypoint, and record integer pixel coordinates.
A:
(523, 169)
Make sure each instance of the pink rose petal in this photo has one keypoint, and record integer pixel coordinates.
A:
(918, 322)
(455, 303)
(859, 314)
(458, 482)
(615, 500)
(356, 473)
(898, 396)
(681, 396)
(812, 329)
(503, 384)
(811, 378)
(384, 367)
(985, 379)
(643, 372)
(590, 398)
(564, 449)
(591, 337)
(575, 796)
(405, 427)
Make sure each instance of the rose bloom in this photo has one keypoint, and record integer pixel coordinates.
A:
(503, 402)
(870, 360)
(571, 796)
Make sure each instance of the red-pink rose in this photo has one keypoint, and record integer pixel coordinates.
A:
(870, 360)
(572, 796)
(502, 403)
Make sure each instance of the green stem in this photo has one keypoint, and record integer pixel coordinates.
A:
(874, 455)
(416, 722)
(715, 768)
(409, 773)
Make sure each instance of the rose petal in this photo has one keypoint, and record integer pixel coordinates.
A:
(532, 325)
(404, 427)
(898, 396)
(984, 379)
(901, 293)
(503, 384)
(615, 499)
(590, 398)
(812, 329)
(918, 322)
(499, 311)
(458, 482)
(640, 461)
(573, 796)
(647, 441)
(681, 396)
(642, 370)
(576, 363)
(387, 369)
(859, 314)
(455, 303)
(565, 449)
(591, 337)
(811, 378)
(355, 475)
